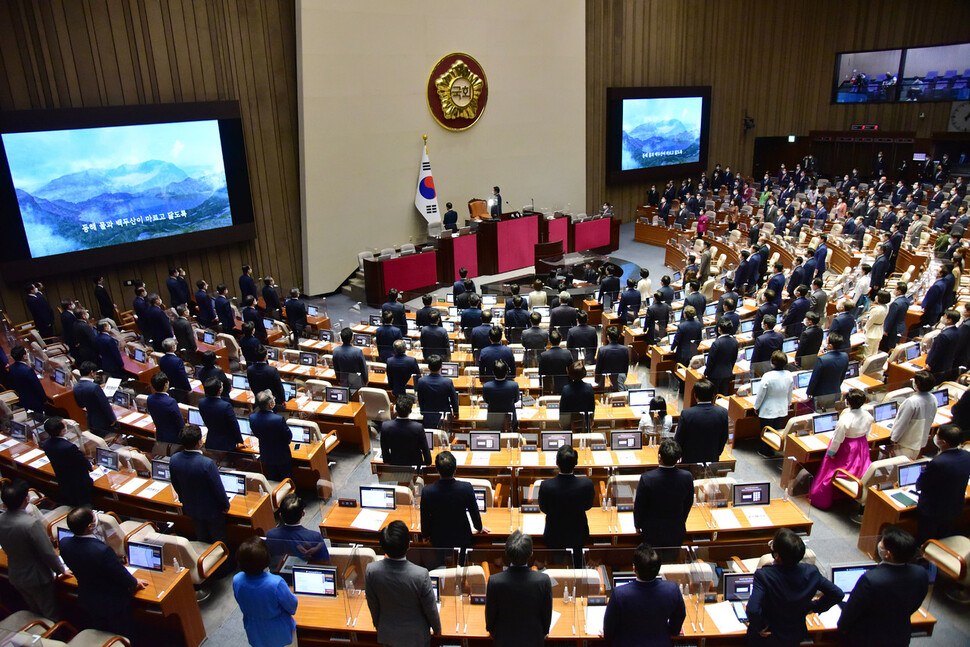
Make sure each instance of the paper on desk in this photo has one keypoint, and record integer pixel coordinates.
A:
(132, 485)
(481, 458)
(722, 614)
(756, 515)
(40, 462)
(111, 385)
(528, 413)
(144, 422)
(626, 458)
(153, 489)
(130, 418)
(856, 383)
(943, 417)
(28, 456)
(302, 401)
(594, 620)
(235, 393)
(725, 519)
(555, 616)
(369, 520)
(830, 618)
(482, 414)
(460, 457)
(195, 384)
(602, 458)
(131, 569)
(331, 409)
(815, 442)
(533, 524)
(10, 442)
(529, 459)
(627, 526)
(552, 414)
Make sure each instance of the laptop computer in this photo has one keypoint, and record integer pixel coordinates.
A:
(639, 400)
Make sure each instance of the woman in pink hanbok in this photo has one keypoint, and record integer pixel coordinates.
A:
(848, 450)
(702, 223)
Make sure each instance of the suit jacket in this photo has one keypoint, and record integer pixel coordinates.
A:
(582, 337)
(272, 299)
(184, 334)
(663, 500)
(445, 506)
(702, 433)
(820, 255)
(437, 393)
(759, 315)
(400, 369)
(565, 500)
(828, 373)
(223, 427)
(71, 471)
(350, 366)
(22, 379)
(795, 317)
(488, 357)
(158, 325)
(403, 442)
(176, 293)
(90, 397)
(819, 299)
(535, 338)
(518, 607)
(516, 318)
(501, 395)
(942, 486)
(262, 376)
(86, 344)
(67, 325)
(226, 316)
(196, 480)
(470, 317)
(895, 321)
(613, 358)
(296, 313)
(105, 305)
(479, 336)
(166, 417)
(879, 267)
(933, 299)
(942, 352)
(31, 560)
(563, 317)
(208, 372)
(809, 342)
(843, 323)
(686, 339)
(721, 358)
(252, 315)
(401, 603)
(742, 273)
(274, 437)
(644, 614)
(697, 300)
(207, 312)
(41, 313)
(397, 309)
(610, 285)
(782, 597)
(247, 286)
(630, 302)
(879, 608)
(554, 362)
(577, 397)
(434, 341)
(173, 366)
(104, 585)
(248, 345)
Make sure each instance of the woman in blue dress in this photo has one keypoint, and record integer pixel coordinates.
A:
(267, 603)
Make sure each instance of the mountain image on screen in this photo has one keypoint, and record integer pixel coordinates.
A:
(660, 143)
(109, 203)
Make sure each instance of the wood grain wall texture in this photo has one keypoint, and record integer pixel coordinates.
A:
(91, 53)
(773, 60)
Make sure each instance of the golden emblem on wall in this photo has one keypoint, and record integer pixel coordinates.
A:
(457, 91)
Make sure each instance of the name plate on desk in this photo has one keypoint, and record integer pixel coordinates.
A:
(619, 403)
(624, 507)
(528, 509)
(598, 448)
(478, 599)
(347, 503)
(529, 448)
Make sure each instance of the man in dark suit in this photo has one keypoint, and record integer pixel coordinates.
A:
(210, 369)
(743, 271)
(777, 283)
(613, 360)
(271, 299)
(421, 315)
(649, 611)
(184, 332)
(942, 486)
(90, 397)
(248, 343)
(68, 319)
(554, 363)
(721, 358)
(219, 418)
(877, 613)
(500, 394)
(399, 594)
(227, 319)
(251, 315)
(495, 208)
(939, 361)
(703, 429)
(403, 441)
(70, 466)
(348, 362)
(687, 337)
(434, 338)
(895, 323)
(844, 323)
(199, 488)
(534, 339)
(247, 285)
(401, 368)
(22, 379)
(445, 504)
(296, 313)
(563, 316)
(177, 290)
(385, 335)
(205, 304)
(397, 308)
(765, 344)
(825, 384)
(518, 315)
(157, 324)
(164, 410)
(450, 219)
(472, 315)
(518, 600)
(583, 335)
(695, 298)
(821, 254)
(933, 301)
(459, 285)
(436, 394)
(274, 438)
(609, 285)
(32, 561)
(630, 301)
(263, 377)
(291, 537)
(85, 339)
(729, 293)
(104, 585)
(478, 336)
(494, 352)
(793, 321)
(565, 500)
(106, 305)
(663, 499)
(809, 342)
(767, 307)
(730, 315)
(784, 593)
(108, 352)
(173, 366)
(139, 305)
(40, 311)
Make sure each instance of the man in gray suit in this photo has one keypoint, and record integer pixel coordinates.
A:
(819, 299)
(705, 266)
(399, 594)
(31, 558)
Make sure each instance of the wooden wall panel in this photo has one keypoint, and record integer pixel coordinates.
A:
(92, 53)
(773, 60)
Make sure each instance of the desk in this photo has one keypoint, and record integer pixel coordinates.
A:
(553, 229)
(644, 232)
(882, 509)
(168, 604)
(350, 421)
(143, 371)
(455, 252)
(507, 244)
(405, 273)
(593, 234)
(605, 526)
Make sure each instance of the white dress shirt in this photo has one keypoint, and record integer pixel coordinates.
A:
(913, 421)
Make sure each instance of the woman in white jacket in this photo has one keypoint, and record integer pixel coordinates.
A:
(874, 324)
(774, 397)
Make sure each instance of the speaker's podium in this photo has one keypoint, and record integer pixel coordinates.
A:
(478, 209)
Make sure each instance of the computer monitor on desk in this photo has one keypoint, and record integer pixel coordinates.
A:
(122, 399)
(312, 310)
(145, 556)
(639, 400)
(138, 355)
(626, 440)
(751, 494)
(738, 586)
(485, 441)
(789, 345)
(233, 483)
(160, 470)
(847, 576)
(907, 475)
(325, 336)
(208, 337)
(942, 397)
(824, 422)
(362, 339)
(195, 417)
(240, 382)
(449, 369)
(543, 310)
(553, 440)
(106, 458)
(336, 394)
(377, 497)
(884, 413)
(272, 353)
(299, 434)
(307, 358)
(315, 580)
(912, 352)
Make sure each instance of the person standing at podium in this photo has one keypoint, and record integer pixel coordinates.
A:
(495, 210)
(450, 219)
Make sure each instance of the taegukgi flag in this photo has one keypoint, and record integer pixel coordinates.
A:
(426, 198)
